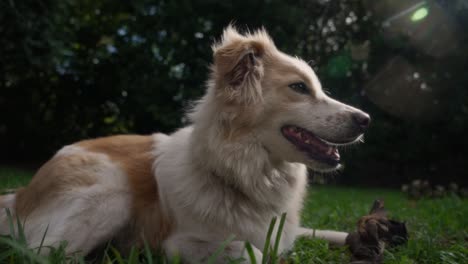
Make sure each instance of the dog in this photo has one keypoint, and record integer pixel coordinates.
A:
(262, 121)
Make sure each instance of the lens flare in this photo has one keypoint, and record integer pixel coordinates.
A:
(419, 14)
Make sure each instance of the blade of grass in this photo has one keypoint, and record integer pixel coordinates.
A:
(42, 241)
(148, 253)
(117, 256)
(23, 251)
(267, 240)
(21, 238)
(5, 254)
(10, 223)
(220, 250)
(106, 258)
(81, 260)
(250, 252)
(274, 255)
(21, 235)
(175, 260)
(133, 256)
(106, 252)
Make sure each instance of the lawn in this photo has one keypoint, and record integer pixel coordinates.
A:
(438, 227)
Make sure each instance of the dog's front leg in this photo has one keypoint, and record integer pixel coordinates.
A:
(194, 248)
(334, 237)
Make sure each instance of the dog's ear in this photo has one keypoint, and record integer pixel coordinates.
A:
(238, 66)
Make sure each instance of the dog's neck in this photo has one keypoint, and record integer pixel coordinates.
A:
(235, 161)
(238, 160)
(244, 170)
(234, 173)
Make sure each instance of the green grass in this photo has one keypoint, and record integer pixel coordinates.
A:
(438, 228)
(13, 178)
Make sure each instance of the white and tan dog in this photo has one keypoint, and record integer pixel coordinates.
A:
(263, 119)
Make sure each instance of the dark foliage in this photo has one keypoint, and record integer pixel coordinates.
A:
(73, 69)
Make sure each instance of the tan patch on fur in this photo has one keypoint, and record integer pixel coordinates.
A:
(70, 169)
(57, 175)
(254, 63)
(284, 70)
(238, 66)
(134, 154)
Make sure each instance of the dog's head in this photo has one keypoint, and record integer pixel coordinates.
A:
(262, 92)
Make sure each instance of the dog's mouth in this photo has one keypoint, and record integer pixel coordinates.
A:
(315, 147)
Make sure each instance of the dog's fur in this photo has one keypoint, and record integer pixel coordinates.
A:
(230, 172)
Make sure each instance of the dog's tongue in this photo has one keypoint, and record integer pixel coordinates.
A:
(312, 142)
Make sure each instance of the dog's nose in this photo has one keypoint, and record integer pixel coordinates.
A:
(362, 120)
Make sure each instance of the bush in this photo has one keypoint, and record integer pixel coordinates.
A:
(77, 69)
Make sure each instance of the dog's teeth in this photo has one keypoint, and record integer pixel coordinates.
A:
(307, 141)
(336, 153)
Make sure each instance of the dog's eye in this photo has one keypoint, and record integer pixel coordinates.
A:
(299, 87)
